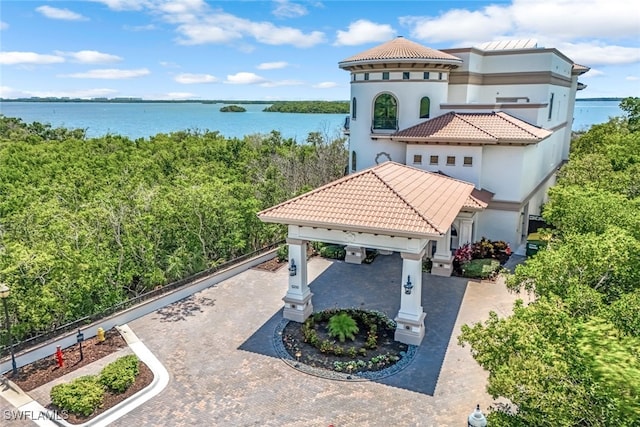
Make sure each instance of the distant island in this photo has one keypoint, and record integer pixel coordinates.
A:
(233, 109)
(598, 99)
(313, 107)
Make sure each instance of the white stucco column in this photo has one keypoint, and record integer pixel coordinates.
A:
(297, 301)
(410, 319)
(442, 261)
(465, 233)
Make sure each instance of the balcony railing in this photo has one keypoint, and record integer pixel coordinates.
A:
(384, 124)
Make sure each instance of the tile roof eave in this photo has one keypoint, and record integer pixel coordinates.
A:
(436, 139)
(347, 227)
(347, 64)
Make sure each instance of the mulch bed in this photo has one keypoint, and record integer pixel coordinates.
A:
(46, 370)
(271, 265)
(111, 399)
(301, 351)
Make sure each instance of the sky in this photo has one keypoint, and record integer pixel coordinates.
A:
(282, 49)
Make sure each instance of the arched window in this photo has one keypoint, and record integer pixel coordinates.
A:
(353, 108)
(385, 112)
(425, 105)
(354, 161)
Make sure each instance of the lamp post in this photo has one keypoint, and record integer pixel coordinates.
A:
(477, 418)
(4, 295)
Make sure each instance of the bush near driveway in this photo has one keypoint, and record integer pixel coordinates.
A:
(480, 268)
(81, 396)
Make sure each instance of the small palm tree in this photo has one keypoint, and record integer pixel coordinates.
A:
(343, 326)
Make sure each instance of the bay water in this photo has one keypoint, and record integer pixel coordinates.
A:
(142, 120)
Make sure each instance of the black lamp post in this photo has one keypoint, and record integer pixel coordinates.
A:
(80, 338)
(4, 294)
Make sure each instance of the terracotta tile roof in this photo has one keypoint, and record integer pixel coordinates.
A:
(579, 69)
(400, 49)
(484, 128)
(478, 199)
(389, 198)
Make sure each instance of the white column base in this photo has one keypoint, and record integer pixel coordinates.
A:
(355, 254)
(410, 331)
(442, 265)
(297, 309)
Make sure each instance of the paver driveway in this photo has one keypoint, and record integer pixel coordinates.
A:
(218, 349)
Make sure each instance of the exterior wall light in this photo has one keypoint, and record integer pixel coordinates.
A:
(408, 286)
(477, 418)
(293, 270)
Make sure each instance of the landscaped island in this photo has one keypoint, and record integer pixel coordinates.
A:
(322, 107)
(233, 109)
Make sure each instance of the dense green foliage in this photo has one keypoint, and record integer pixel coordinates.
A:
(85, 394)
(81, 396)
(87, 223)
(572, 357)
(343, 326)
(325, 107)
(119, 375)
(233, 109)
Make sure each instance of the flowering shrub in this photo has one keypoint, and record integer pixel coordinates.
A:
(463, 254)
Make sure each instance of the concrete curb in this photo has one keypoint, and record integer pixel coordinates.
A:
(35, 412)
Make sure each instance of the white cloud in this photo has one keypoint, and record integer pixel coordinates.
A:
(91, 57)
(57, 13)
(3, 25)
(109, 74)
(121, 5)
(325, 85)
(632, 78)
(279, 83)
(597, 53)
(180, 95)
(169, 64)
(7, 92)
(272, 65)
(593, 73)
(136, 28)
(31, 58)
(555, 20)
(286, 9)
(224, 27)
(244, 78)
(363, 31)
(187, 78)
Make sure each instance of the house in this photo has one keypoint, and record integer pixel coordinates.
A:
(445, 147)
(498, 116)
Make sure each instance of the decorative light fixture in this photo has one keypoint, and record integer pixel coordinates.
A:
(4, 295)
(408, 286)
(293, 270)
(477, 418)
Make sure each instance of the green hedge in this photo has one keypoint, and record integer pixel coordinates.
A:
(85, 394)
(480, 268)
(81, 396)
(333, 252)
(119, 375)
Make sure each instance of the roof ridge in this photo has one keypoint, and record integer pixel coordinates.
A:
(374, 170)
(507, 117)
(458, 115)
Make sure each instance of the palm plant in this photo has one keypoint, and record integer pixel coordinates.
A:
(343, 326)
